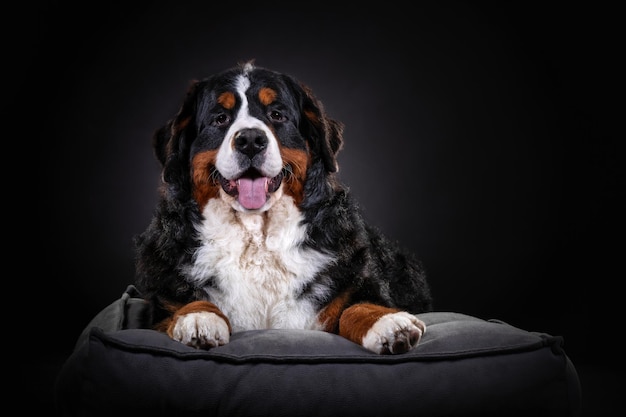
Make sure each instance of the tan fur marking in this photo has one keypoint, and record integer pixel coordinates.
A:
(294, 181)
(204, 186)
(227, 100)
(182, 124)
(267, 96)
(171, 308)
(358, 319)
(196, 307)
(329, 316)
(312, 117)
(175, 129)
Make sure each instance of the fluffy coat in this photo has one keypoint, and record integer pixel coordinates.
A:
(254, 230)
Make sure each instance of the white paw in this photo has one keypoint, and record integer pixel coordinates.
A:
(202, 330)
(394, 333)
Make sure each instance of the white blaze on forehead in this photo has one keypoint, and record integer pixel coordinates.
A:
(248, 67)
(226, 162)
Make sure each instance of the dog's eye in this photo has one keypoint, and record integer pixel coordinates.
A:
(221, 120)
(276, 116)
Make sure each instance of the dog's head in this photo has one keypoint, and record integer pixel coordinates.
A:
(247, 135)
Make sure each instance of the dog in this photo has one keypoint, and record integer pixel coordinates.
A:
(254, 230)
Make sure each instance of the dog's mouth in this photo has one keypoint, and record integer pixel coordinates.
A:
(251, 189)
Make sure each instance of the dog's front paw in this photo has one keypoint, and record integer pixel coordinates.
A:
(203, 330)
(394, 333)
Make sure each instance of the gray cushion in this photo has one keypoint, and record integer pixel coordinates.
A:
(463, 366)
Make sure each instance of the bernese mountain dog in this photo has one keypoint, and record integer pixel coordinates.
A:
(254, 230)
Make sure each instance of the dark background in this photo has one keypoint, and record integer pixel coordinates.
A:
(484, 136)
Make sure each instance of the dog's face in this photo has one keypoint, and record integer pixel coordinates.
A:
(247, 136)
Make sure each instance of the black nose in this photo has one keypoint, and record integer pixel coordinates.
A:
(250, 142)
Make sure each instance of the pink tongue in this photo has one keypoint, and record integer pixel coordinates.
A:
(252, 192)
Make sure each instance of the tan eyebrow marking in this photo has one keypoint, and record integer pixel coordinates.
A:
(267, 95)
(227, 100)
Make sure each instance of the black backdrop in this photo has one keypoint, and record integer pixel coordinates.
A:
(482, 136)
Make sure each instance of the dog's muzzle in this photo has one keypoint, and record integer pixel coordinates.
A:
(252, 188)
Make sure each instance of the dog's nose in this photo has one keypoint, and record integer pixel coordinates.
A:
(250, 142)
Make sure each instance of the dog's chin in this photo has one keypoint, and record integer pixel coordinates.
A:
(252, 192)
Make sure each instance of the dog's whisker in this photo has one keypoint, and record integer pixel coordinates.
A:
(214, 176)
(288, 174)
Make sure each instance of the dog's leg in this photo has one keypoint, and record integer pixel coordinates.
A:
(199, 324)
(381, 329)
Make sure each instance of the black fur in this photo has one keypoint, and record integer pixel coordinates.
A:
(368, 265)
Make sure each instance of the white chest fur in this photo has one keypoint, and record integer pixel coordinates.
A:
(257, 266)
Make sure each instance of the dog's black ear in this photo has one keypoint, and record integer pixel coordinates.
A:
(324, 133)
(171, 141)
